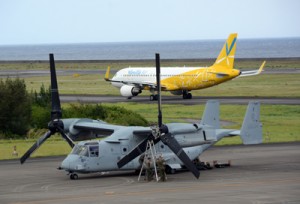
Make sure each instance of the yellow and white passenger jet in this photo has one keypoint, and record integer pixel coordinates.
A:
(180, 80)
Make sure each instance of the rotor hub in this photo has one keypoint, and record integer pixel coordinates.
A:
(55, 125)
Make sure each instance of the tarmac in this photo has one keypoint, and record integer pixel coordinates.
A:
(267, 173)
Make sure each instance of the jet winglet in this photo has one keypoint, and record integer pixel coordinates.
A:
(261, 67)
(107, 74)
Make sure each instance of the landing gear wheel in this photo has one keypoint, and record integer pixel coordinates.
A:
(187, 95)
(73, 176)
(153, 97)
(170, 170)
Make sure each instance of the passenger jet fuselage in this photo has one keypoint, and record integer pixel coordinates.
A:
(180, 80)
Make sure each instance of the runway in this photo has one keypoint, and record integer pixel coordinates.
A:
(178, 99)
(268, 173)
(39, 73)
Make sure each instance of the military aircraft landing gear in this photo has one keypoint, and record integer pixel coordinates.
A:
(186, 95)
(170, 170)
(73, 176)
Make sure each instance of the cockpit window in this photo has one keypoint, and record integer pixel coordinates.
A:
(86, 150)
(80, 150)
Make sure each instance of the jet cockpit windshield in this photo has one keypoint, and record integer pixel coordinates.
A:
(90, 149)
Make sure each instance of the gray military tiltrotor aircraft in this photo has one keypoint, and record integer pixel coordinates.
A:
(123, 147)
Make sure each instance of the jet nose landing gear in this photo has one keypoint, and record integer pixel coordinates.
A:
(153, 97)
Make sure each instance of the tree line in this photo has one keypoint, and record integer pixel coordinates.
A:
(22, 112)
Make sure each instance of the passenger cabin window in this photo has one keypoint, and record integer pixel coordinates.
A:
(94, 151)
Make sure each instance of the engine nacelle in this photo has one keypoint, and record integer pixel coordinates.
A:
(129, 91)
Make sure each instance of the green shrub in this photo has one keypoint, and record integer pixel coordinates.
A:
(122, 116)
(110, 114)
(85, 111)
(40, 116)
(15, 108)
(43, 98)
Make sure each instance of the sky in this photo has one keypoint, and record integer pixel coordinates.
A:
(84, 21)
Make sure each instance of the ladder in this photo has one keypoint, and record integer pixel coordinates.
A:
(149, 153)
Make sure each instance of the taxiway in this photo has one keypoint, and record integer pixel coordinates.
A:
(178, 99)
(268, 173)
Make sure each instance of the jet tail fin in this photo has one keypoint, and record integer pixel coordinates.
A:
(226, 56)
(211, 115)
(251, 131)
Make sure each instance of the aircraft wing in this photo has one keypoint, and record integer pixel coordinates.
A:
(99, 128)
(253, 72)
(137, 84)
(142, 133)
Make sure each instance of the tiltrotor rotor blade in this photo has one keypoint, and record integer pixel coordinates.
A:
(55, 101)
(36, 145)
(66, 137)
(172, 143)
(138, 150)
(55, 125)
(157, 60)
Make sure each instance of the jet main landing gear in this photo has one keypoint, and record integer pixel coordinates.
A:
(186, 95)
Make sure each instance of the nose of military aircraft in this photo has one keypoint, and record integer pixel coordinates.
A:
(72, 163)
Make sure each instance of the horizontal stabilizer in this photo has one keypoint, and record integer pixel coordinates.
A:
(253, 72)
(219, 74)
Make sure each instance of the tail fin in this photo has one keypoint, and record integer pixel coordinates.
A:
(226, 56)
(211, 114)
(251, 131)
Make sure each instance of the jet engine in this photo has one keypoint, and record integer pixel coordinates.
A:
(129, 91)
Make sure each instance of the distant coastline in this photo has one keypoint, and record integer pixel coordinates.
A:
(147, 60)
(169, 50)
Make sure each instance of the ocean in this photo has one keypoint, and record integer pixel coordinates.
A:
(200, 49)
